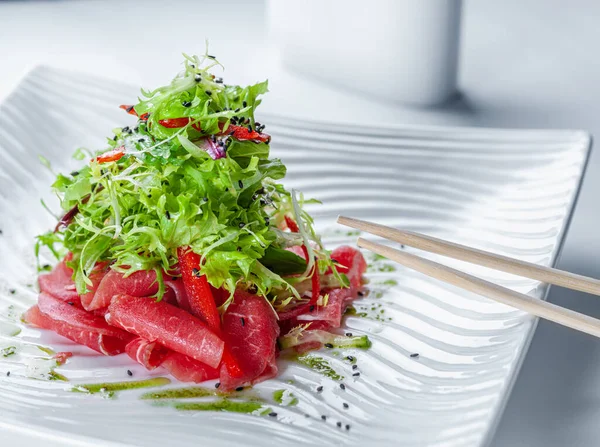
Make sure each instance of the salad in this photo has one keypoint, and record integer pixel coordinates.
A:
(179, 245)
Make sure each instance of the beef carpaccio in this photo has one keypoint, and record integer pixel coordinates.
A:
(179, 248)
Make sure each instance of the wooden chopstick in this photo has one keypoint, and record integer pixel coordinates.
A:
(475, 256)
(534, 306)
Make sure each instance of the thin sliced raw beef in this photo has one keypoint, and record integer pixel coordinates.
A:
(62, 357)
(187, 369)
(250, 330)
(331, 314)
(177, 287)
(146, 353)
(59, 283)
(140, 283)
(352, 263)
(77, 325)
(170, 326)
(96, 277)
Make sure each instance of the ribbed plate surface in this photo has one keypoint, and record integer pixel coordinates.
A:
(507, 191)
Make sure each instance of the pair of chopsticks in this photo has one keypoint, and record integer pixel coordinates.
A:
(534, 306)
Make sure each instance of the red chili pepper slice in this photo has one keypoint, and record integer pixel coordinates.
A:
(128, 109)
(293, 227)
(202, 301)
(113, 155)
(131, 111)
(198, 290)
(237, 132)
(174, 123)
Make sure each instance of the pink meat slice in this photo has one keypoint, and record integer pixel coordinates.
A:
(170, 326)
(176, 287)
(149, 354)
(140, 283)
(330, 315)
(78, 325)
(352, 263)
(96, 277)
(187, 369)
(250, 330)
(59, 283)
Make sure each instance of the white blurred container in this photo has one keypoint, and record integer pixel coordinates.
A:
(402, 50)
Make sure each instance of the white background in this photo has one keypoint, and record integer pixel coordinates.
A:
(524, 63)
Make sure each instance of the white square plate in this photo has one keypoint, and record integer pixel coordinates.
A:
(507, 191)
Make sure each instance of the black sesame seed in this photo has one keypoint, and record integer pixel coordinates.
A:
(306, 415)
(319, 389)
(115, 138)
(311, 308)
(243, 321)
(197, 78)
(354, 366)
(356, 374)
(348, 334)
(129, 109)
(346, 405)
(174, 278)
(323, 417)
(70, 303)
(240, 184)
(249, 129)
(210, 56)
(7, 373)
(168, 214)
(339, 424)
(328, 345)
(195, 272)
(129, 373)
(350, 358)
(12, 291)
(240, 388)
(273, 414)
(208, 92)
(75, 173)
(217, 385)
(141, 140)
(415, 355)
(242, 225)
(186, 104)
(125, 129)
(219, 80)
(347, 426)
(342, 386)
(239, 249)
(237, 110)
(361, 293)
(136, 128)
(149, 195)
(205, 199)
(244, 104)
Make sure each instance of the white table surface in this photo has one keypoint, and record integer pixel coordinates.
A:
(524, 63)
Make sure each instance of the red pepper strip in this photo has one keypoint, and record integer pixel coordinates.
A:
(114, 155)
(237, 132)
(242, 134)
(202, 301)
(174, 123)
(304, 308)
(197, 288)
(128, 109)
(131, 111)
(293, 226)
